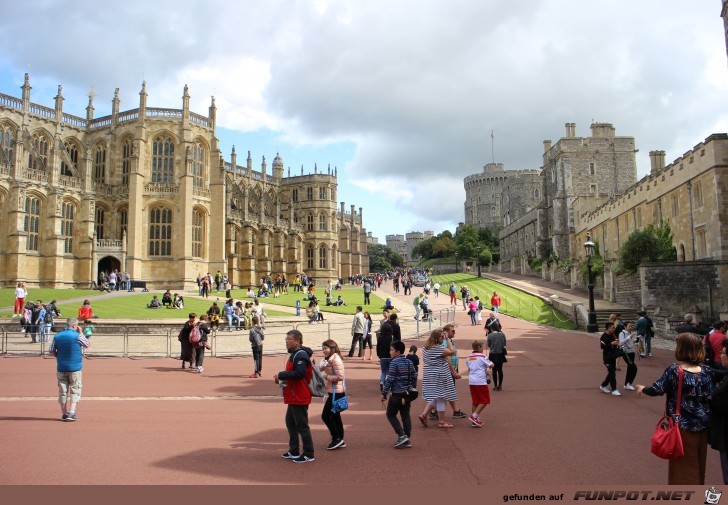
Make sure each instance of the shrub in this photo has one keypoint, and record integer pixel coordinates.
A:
(649, 244)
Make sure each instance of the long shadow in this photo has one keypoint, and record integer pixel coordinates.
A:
(10, 418)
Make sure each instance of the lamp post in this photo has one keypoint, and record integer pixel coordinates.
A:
(591, 326)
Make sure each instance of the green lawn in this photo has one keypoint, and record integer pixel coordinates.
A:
(134, 307)
(352, 296)
(7, 295)
(513, 302)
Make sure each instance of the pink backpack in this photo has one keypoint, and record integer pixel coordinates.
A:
(195, 334)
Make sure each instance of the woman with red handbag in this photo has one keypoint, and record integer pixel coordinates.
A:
(688, 405)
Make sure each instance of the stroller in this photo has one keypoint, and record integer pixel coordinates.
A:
(426, 312)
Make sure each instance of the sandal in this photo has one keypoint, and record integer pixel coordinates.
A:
(445, 425)
(423, 420)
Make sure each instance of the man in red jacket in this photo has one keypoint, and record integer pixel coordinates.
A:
(296, 394)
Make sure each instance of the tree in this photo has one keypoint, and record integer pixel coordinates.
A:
(466, 242)
(383, 258)
(648, 244)
(444, 247)
(424, 249)
(485, 258)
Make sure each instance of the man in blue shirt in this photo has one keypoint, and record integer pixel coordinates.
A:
(66, 347)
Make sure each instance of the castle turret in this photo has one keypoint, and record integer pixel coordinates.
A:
(657, 161)
(234, 160)
(90, 106)
(278, 168)
(26, 92)
(59, 102)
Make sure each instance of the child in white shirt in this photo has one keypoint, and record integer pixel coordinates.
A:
(478, 365)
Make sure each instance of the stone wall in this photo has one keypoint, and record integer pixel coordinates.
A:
(628, 290)
(682, 287)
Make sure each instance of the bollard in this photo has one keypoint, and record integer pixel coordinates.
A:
(298, 307)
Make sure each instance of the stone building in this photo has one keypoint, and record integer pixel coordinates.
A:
(403, 244)
(497, 197)
(690, 195)
(147, 191)
(594, 168)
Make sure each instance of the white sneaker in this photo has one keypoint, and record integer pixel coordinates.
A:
(616, 393)
(629, 387)
(605, 389)
(200, 369)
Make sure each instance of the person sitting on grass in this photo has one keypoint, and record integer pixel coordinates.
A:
(388, 305)
(311, 313)
(179, 302)
(155, 303)
(167, 299)
(339, 302)
(250, 293)
(329, 301)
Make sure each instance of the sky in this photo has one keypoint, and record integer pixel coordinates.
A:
(400, 96)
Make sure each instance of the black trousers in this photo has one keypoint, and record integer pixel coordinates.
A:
(356, 339)
(394, 407)
(611, 378)
(366, 299)
(333, 421)
(297, 425)
(631, 368)
(258, 358)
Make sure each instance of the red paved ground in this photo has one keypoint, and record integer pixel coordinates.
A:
(550, 425)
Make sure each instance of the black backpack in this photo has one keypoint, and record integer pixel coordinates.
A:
(48, 317)
(709, 354)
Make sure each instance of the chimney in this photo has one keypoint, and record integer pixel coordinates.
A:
(657, 161)
(546, 146)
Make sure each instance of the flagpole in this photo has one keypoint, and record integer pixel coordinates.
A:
(492, 145)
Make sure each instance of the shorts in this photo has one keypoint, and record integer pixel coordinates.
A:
(480, 394)
(69, 383)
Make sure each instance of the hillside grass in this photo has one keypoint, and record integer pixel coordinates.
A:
(513, 301)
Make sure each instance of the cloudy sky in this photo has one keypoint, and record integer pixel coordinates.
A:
(401, 96)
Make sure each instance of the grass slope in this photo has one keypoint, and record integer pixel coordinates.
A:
(7, 295)
(513, 302)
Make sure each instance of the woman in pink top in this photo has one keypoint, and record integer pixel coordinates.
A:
(473, 311)
(333, 367)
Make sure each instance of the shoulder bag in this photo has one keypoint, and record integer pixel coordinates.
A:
(411, 393)
(666, 440)
(342, 403)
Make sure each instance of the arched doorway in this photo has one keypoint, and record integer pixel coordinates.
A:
(108, 264)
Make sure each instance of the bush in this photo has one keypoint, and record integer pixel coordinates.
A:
(648, 244)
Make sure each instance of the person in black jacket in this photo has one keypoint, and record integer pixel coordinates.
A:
(184, 339)
(718, 427)
(384, 341)
(610, 347)
(396, 330)
(197, 350)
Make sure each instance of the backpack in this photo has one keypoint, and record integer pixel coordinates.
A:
(48, 317)
(195, 334)
(317, 384)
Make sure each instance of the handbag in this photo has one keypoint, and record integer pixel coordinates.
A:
(342, 403)
(666, 440)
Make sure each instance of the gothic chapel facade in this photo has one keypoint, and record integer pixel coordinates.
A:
(147, 191)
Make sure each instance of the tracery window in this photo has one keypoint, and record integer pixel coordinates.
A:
(72, 151)
(198, 165)
(32, 222)
(160, 232)
(197, 233)
(99, 222)
(322, 256)
(38, 158)
(309, 222)
(7, 146)
(126, 151)
(163, 160)
(322, 222)
(309, 257)
(123, 222)
(68, 214)
(100, 163)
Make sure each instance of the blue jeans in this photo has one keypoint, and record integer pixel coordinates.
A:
(473, 318)
(417, 311)
(384, 365)
(230, 319)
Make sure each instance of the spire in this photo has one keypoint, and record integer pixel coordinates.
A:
(115, 102)
(26, 89)
(59, 102)
(143, 98)
(90, 107)
(301, 169)
(186, 98)
(315, 168)
(212, 113)
(329, 169)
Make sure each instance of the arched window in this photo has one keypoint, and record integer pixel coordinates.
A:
(536, 194)
(38, 157)
(160, 232)
(7, 146)
(198, 233)
(72, 151)
(32, 222)
(68, 214)
(125, 162)
(100, 163)
(309, 222)
(322, 256)
(163, 160)
(322, 222)
(123, 222)
(99, 222)
(198, 165)
(309, 257)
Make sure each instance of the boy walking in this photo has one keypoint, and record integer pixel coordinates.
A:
(401, 377)
(478, 366)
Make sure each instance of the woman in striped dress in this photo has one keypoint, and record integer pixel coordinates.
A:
(438, 386)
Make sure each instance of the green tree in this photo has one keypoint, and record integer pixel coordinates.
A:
(467, 243)
(424, 249)
(485, 258)
(383, 258)
(649, 244)
(445, 247)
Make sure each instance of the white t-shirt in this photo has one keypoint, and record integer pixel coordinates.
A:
(21, 293)
(436, 286)
(478, 365)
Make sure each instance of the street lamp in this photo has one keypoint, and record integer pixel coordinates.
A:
(591, 326)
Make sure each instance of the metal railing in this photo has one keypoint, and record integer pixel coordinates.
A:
(131, 341)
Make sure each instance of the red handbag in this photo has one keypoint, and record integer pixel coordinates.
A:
(666, 440)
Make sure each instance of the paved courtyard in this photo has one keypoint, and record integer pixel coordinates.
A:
(146, 421)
